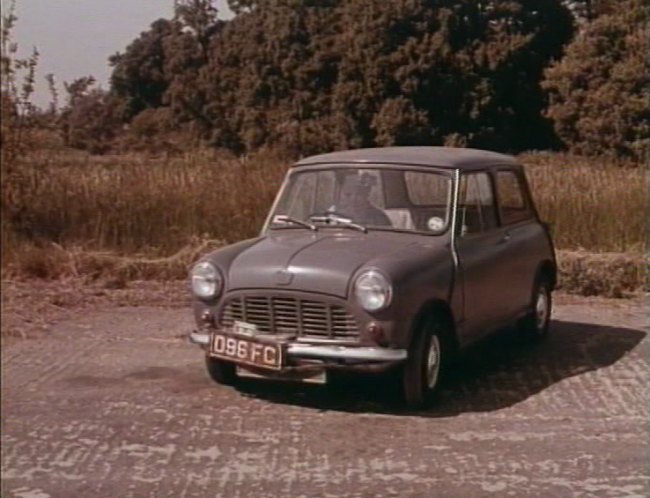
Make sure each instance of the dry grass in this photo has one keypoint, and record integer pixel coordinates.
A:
(54, 262)
(602, 274)
(118, 218)
(138, 203)
(591, 204)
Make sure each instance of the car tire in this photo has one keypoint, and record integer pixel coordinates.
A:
(422, 372)
(222, 372)
(535, 325)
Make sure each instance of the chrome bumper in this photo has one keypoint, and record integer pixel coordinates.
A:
(325, 352)
(200, 338)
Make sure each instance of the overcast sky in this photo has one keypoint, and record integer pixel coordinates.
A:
(76, 37)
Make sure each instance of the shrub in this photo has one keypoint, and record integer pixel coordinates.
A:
(600, 91)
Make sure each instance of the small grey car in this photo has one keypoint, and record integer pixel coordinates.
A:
(376, 259)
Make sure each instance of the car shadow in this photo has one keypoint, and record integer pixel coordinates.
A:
(494, 374)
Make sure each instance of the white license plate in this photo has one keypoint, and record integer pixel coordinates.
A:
(248, 350)
(244, 328)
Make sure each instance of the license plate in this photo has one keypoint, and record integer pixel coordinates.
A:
(248, 350)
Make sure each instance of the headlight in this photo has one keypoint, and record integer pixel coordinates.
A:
(373, 290)
(206, 280)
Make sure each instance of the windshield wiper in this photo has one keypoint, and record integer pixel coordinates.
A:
(335, 219)
(282, 218)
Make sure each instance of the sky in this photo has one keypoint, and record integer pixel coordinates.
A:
(76, 37)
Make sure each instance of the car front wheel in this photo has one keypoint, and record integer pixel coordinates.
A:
(423, 369)
(222, 372)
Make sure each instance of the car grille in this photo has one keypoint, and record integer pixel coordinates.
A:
(307, 318)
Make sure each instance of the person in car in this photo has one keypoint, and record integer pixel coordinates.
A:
(354, 202)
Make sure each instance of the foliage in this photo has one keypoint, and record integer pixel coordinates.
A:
(160, 67)
(151, 86)
(92, 117)
(16, 122)
(372, 72)
(139, 74)
(307, 76)
(600, 91)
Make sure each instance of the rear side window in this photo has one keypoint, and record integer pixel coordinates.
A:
(513, 203)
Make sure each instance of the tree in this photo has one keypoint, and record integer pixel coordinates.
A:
(160, 67)
(309, 75)
(599, 92)
(365, 70)
(241, 6)
(17, 77)
(139, 76)
(269, 76)
(92, 116)
(186, 52)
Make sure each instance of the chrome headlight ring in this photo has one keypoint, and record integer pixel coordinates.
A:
(206, 279)
(373, 290)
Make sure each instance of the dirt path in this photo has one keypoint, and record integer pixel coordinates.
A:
(114, 403)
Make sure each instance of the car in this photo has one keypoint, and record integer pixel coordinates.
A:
(378, 259)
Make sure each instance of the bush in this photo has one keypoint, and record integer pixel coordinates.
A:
(605, 274)
(600, 91)
(92, 119)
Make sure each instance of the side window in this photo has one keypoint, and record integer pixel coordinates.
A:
(512, 200)
(476, 204)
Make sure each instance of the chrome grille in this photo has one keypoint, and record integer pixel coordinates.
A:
(307, 318)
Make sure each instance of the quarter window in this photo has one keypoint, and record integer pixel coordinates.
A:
(476, 207)
(512, 201)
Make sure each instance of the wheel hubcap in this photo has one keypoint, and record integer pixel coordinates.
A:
(433, 362)
(541, 309)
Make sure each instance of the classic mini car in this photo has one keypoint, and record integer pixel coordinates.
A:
(376, 259)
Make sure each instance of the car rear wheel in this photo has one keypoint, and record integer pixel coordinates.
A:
(423, 369)
(222, 372)
(535, 324)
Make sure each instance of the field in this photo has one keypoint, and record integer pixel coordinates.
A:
(148, 216)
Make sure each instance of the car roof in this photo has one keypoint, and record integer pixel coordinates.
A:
(439, 157)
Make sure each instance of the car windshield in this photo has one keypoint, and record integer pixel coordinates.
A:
(401, 199)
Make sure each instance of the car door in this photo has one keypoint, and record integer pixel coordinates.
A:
(520, 233)
(482, 257)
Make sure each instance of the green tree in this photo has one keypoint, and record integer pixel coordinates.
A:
(268, 76)
(17, 113)
(186, 52)
(160, 67)
(92, 118)
(599, 92)
(374, 72)
(138, 75)
(309, 75)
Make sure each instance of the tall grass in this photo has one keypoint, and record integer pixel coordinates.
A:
(591, 204)
(138, 203)
(142, 204)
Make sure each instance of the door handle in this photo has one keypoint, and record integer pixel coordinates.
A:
(505, 238)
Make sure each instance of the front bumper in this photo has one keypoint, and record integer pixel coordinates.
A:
(335, 353)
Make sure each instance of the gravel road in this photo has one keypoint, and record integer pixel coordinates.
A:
(114, 402)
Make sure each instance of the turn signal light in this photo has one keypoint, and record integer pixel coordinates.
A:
(207, 318)
(376, 333)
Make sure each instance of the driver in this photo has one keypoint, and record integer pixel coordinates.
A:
(354, 201)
